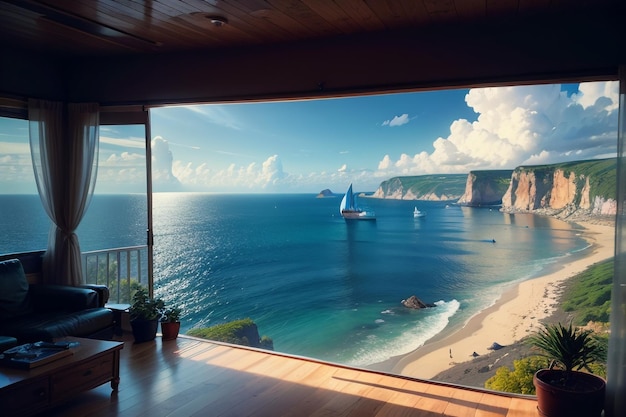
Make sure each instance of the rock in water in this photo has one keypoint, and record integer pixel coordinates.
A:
(325, 193)
(415, 303)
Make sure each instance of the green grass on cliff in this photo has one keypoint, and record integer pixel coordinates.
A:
(232, 332)
(444, 184)
(588, 295)
(227, 332)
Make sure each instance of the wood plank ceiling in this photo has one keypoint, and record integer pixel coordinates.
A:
(117, 27)
(154, 52)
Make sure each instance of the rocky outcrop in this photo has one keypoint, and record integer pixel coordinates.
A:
(240, 332)
(325, 193)
(564, 190)
(415, 303)
(422, 187)
(485, 188)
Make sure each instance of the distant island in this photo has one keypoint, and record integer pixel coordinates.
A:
(326, 193)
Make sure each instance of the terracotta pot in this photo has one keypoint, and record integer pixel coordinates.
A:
(561, 393)
(144, 330)
(170, 329)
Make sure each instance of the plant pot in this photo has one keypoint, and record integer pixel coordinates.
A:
(170, 329)
(582, 395)
(144, 330)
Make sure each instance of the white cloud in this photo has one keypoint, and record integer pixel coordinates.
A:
(162, 177)
(138, 143)
(268, 176)
(397, 121)
(589, 93)
(385, 163)
(343, 168)
(161, 155)
(14, 148)
(520, 126)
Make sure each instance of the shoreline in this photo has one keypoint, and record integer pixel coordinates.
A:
(524, 305)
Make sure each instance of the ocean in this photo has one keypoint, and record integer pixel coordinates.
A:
(317, 285)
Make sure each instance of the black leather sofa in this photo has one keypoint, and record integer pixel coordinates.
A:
(34, 312)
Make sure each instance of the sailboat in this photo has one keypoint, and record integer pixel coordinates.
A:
(349, 209)
(417, 213)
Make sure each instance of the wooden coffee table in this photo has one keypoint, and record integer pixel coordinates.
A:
(26, 392)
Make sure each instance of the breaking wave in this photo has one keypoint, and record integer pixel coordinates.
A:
(378, 348)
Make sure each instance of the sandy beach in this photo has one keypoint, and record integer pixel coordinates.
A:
(516, 314)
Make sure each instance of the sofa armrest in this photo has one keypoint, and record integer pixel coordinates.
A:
(44, 297)
(102, 290)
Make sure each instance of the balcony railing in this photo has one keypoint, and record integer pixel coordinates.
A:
(119, 269)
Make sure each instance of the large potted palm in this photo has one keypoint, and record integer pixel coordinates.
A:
(563, 389)
(145, 313)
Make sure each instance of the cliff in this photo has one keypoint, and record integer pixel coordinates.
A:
(423, 187)
(564, 190)
(485, 188)
(239, 332)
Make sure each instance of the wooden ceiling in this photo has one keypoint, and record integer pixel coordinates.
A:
(174, 51)
(113, 27)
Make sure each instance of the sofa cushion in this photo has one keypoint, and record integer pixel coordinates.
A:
(55, 298)
(50, 325)
(14, 301)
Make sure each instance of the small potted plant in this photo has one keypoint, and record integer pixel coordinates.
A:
(563, 389)
(145, 313)
(170, 323)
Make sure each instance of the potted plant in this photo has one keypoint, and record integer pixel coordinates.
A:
(563, 389)
(145, 313)
(170, 323)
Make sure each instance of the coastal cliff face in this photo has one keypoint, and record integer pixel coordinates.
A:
(563, 190)
(485, 188)
(422, 187)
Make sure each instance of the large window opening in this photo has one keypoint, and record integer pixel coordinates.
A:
(247, 222)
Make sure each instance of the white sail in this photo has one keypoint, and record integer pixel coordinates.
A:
(342, 206)
(348, 200)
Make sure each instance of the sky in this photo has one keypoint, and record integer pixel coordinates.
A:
(308, 146)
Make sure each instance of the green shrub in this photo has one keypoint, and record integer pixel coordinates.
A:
(520, 379)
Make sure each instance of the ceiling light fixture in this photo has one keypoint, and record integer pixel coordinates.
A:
(218, 21)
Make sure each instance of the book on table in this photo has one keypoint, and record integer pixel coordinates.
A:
(31, 355)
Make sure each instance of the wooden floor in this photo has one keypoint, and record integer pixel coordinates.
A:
(191, 377)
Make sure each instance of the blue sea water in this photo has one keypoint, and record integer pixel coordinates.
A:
(317, 285)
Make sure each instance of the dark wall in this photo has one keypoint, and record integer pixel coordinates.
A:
(24, 74)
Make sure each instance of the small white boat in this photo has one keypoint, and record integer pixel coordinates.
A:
(417, 213)
(349, 209)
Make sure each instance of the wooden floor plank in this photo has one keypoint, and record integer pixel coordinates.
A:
(491, 405)
(193, 377)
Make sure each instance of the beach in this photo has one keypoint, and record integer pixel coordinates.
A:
(516, 314)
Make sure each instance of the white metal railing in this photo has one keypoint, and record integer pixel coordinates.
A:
(119, 269)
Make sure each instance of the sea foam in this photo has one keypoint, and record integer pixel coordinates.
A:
(377, 350)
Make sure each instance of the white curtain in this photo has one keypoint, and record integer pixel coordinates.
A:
(64, 149)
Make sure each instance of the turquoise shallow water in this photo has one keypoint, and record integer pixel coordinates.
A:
(316, 285)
